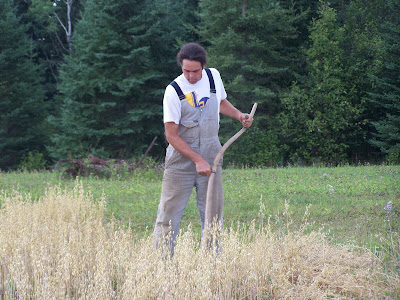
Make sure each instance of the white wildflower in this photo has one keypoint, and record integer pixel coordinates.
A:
(388, 207)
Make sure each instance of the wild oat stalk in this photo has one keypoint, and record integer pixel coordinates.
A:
(60, 248)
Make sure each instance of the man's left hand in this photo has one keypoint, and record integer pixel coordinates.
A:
(246, 120)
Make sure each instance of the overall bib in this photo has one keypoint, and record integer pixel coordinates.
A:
(198, 127)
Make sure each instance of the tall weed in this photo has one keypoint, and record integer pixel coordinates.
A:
(61, 247)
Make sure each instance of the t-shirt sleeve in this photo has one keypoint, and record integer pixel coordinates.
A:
(171, 106)
(219, 84)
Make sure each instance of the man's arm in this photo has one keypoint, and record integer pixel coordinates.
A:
(229, 110)
(171, 133)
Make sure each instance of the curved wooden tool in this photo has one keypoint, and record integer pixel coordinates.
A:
(209, 218)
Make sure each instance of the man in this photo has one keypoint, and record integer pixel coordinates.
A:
(192, 103)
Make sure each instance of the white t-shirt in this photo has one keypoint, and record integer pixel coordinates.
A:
(172, 103)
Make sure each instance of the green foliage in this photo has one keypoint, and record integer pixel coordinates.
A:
(48, 25)
(388, 136)
(363, 55)
(102, 85)
(254, 45)
(112, 84)
(256, 147)
(386, 93)
(106, 100)
(22, 96)
(248, 43)
(33, 162)
(320, 111)
(394, 154)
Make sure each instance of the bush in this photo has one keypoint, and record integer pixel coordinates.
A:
(394, 155)
(33, 161)
(256, 147)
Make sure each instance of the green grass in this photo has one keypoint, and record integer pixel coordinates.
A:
(348, 203)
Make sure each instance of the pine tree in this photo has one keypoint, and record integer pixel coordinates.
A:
(253, 45)
(112, 84)
(21, 93)
(386, 95)
(248, 41)
(51, 24)
(362, 58)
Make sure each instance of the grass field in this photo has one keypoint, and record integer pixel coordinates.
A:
(348, 202)
(348, 205)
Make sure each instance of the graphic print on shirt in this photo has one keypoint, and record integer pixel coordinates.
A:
(191, 98)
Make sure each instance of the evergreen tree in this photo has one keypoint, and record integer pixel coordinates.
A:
(308, 10)
(253, 45)
(51, 24)
(248, 42)
(320, 111)
(363, 53)
(112, 84)
(386, 94)
(21, 94)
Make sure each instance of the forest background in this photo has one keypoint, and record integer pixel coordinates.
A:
(81, 77)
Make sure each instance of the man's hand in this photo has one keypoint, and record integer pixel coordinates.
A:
(203, 167)
(171, 132)
(229, 110)
(246, 120)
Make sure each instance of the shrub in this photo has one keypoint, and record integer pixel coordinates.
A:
(394, 155)
(33, 161)
(256, 147)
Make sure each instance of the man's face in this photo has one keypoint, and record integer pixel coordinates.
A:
(191, 70)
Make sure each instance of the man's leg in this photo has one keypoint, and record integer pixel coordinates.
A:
(176, 189)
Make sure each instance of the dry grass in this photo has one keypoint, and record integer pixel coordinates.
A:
(59, 248)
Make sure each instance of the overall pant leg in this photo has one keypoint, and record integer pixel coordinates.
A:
(176, 189)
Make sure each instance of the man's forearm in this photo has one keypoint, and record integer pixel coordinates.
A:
(171, 132)
(182, 147)
(227, 109)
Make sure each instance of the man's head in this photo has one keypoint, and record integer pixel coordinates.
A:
(192, 58)
(192, 51)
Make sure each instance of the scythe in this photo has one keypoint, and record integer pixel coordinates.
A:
(209, 218)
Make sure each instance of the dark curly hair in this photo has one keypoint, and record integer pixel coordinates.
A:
(192, 51)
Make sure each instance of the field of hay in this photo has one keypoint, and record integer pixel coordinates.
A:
(62, 245)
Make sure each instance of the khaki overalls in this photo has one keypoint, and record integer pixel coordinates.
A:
(199, 128)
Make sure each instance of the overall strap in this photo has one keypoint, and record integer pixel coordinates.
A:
(178, 90)
(211, 79)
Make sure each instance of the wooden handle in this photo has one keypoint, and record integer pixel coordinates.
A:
(230, 141)
(209, 200)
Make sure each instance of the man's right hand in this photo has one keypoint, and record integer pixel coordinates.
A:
(203, 168)
(171, 132)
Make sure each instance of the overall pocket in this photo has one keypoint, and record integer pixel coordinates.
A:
(189, 130)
